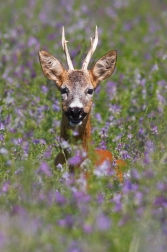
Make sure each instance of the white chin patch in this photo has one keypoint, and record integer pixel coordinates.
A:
(75, 124)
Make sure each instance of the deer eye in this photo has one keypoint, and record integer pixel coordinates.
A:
(90, 91)
(64, 90)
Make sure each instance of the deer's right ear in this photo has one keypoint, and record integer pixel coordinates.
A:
(51, 67)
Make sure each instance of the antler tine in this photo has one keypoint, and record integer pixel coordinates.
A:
(64, 45)
(93, 45)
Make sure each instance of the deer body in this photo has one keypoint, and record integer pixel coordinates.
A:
(77, 89)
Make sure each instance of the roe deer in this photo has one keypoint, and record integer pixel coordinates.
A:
(77, 88)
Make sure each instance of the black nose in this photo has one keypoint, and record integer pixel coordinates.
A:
(75, 112)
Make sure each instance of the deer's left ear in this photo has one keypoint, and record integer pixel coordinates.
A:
(104, 67)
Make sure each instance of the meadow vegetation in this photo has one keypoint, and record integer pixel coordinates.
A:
(43, 208)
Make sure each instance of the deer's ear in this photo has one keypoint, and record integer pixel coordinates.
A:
(104, 67)
(51, 67)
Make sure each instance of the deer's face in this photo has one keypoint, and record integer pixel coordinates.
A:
(77, 92)
(77, 86)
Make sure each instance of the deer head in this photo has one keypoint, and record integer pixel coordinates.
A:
(77, 86)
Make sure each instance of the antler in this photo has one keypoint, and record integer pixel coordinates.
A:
(64, 45)
(93, 45)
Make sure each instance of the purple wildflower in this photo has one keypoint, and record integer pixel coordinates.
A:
(56, 107)
(33, 42)
(68, 221)
(2, 127)
(48, 153)
(138, 198)
(148, 174)
(3, 151)
(36, 141)
(117, 204)
(42, 141)
(100, 198)
(141, 131)
(52, 36)
(102, 145)
(25, 148)
(111, 89)
(20, 141)
(124, 154)
(127, 186)
(87, 228)
(130, 136)
(98, 117)
(115, 109)
(1, 138)
(44, 89)
(161, 201)
(18, 210)
(60, 199)
(154, 130)
(123, 221)
(103, 222)
(135, 174)
(75, 160)
(74, 247)
(162, 186)
(150, 147)
(5, 186)
(45, 169)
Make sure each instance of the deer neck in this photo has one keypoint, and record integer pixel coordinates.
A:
(82, 132)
